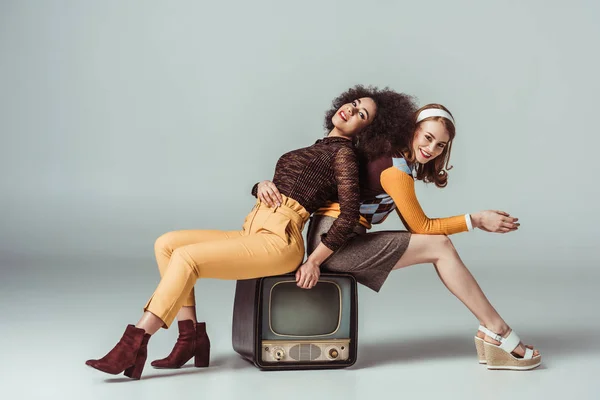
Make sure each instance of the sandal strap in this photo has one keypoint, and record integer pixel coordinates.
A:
(528, 354)
(508, 344)
(491, 334)
(511, 342)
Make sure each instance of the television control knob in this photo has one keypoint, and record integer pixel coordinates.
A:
(278, 353)
(333, 353)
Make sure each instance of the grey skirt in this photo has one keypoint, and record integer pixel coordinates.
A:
(369, 257)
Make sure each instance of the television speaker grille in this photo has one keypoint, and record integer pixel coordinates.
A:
(305, 352)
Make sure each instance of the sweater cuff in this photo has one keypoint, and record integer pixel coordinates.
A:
(469, 222)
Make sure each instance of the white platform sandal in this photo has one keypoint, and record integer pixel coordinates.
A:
(501, 357)
(480, 347)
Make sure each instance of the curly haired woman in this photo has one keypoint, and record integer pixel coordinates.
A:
(387, 183)
(270, 241)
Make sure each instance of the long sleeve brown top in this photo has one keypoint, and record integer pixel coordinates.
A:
(324, 172)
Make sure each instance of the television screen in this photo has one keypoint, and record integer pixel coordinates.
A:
(301, 312)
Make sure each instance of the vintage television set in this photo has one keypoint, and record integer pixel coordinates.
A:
(277, 325)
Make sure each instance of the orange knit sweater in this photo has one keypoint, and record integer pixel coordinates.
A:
(401, 187)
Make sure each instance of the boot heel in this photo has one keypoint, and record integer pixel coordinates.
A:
(202, 353)
(135, 371)
(202, 358)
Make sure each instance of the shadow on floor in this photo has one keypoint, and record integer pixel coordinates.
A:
(557, 342)
(216, 365)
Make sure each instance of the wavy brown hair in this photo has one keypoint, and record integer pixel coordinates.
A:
(392, 126)
(435, 171)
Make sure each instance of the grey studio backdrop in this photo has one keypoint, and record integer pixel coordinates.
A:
(121, 121)
(124, 120)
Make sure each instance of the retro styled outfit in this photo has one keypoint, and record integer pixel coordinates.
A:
(269, 243)
(387, 185)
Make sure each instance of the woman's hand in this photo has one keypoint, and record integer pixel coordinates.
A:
(495, 221)
(268, 193)
(308, 275)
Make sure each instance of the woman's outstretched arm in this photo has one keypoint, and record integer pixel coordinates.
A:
(401, 187)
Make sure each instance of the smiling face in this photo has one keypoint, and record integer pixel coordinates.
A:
(431, 137)
(352, 117)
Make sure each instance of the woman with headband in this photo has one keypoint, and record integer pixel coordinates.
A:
(387, 183)
(270, 241)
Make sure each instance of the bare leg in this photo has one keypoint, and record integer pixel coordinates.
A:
(150, 323)
(439, 250)
(187, 312)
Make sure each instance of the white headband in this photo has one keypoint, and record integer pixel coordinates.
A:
(434, 112)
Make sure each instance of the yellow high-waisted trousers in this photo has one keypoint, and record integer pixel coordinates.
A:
(270, 243)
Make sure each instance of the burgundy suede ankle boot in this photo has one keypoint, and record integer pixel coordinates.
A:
(128, 355)
(192, 342)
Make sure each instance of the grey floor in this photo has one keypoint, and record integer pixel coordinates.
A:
(415, 338)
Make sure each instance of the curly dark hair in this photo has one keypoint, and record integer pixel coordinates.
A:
(392, 127)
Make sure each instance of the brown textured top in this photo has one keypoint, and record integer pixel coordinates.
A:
(326, 171)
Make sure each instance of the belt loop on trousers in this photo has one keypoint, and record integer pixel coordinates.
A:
(283, 209)
(290, 213)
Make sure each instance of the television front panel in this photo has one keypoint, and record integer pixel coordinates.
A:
(306, 325)
(278, 326)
